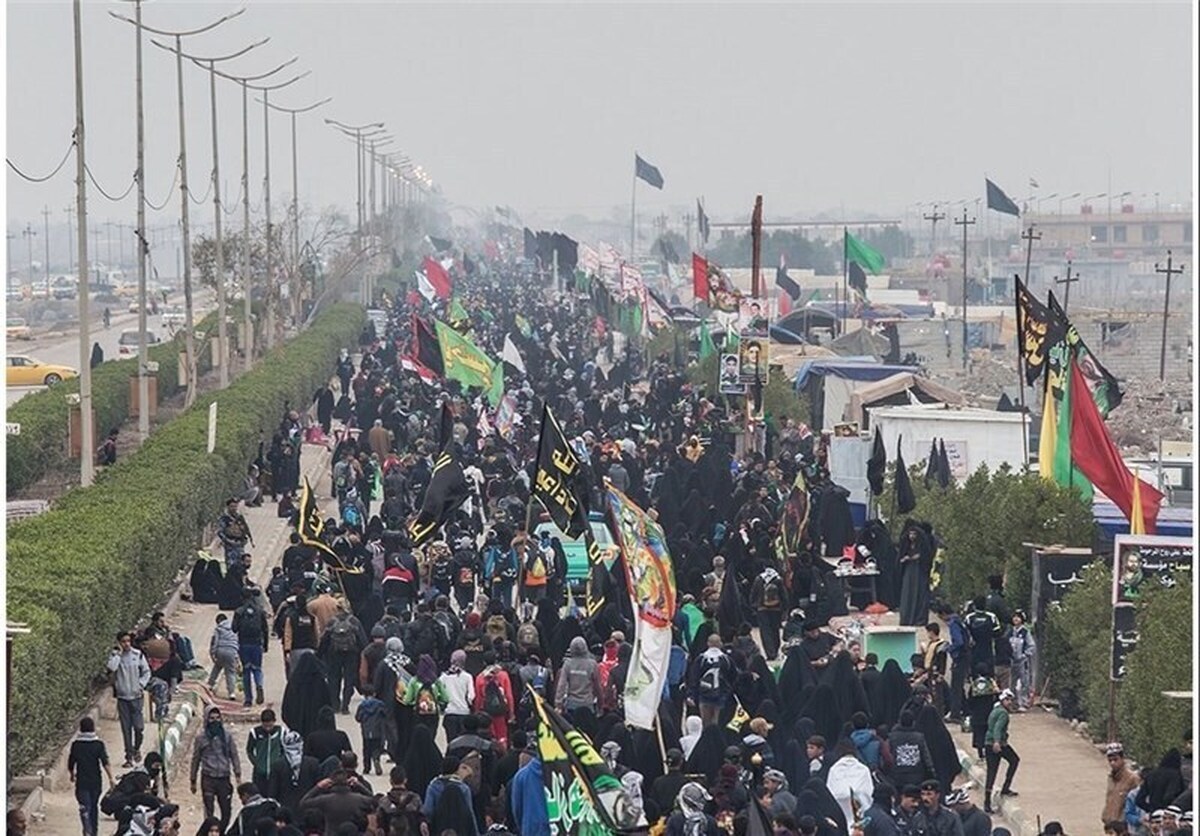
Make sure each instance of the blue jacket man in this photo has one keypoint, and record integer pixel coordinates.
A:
(529, 800)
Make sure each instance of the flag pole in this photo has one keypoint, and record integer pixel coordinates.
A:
(633, 212)
(1021, 379)
(845, 277)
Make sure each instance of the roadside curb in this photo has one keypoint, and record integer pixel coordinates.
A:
(172, 737)
(1004, 805)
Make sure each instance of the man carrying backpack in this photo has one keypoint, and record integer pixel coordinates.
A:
(767, 598)
(535, 675)
(269, 767)
(536, 566)
(710, 681)
(494, 697)
(464, 565)
(500, 568)
(341, 643)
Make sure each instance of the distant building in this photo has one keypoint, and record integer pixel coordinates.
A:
(1125, 235)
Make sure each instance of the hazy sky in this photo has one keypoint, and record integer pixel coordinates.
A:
(818, 107)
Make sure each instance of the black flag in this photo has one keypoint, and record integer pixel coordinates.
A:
(426, 349)
(877, 465)
(858, 279)
(1039, 329)
(943, 472)
(932, 465)
(568, 253)
(668, 251)
(468, 265)
(448, 489)
(440, 244)
(786, 282)
(906, 500)
(446, 432)
(702, 222)
(998, 200)
(530, 252)
(558, 482)
(647, 172)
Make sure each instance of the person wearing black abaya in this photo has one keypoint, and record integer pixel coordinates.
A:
(797, 672)
(815, 800)
(916, 561)
(835, 524)
(822, 709)
(894, 691)
(307, 692)
(708, 754)
(877, 540)
(870, 679)
(946, 765)
(422, 759)
(847, 687)
(326, 740)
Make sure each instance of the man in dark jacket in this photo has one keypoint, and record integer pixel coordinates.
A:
(940, 820)
(975, 822)
(878, 819)
(911, 762)
(250, 624)
(910, 817)
(338, 802)
(984, 628)
(342, 640)
(255, 808)
(665, 788)
(710, 681)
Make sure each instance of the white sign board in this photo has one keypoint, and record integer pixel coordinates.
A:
(212, 426)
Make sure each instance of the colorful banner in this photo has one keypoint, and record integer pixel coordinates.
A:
(650, 579)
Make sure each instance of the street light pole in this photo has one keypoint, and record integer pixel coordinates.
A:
(87, 432)
(189, 310)
(247, 279)
(294, 111)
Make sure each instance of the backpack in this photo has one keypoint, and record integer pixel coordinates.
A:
(527, 635)
(497, 627)
(426, 702)
(494, 702)
(537, 566)
(771, 597)
(710, 680)
(538, 683)
(341, 636)
(443, 620)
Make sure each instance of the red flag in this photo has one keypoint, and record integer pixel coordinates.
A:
(1094, 453)
(438, 277)
(699, 277)
(785, 303)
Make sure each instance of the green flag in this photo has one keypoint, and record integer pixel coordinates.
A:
(464, 362)
(523, 326)
(456, 313)
(869, 259)
(707, 348)
(1065, 472)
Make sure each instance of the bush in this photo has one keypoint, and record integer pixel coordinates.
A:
(102, 558)
(985, 520)
(1077, 648)
(42, 445)
(1150, 723)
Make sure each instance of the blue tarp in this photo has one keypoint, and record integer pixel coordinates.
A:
(848, 368)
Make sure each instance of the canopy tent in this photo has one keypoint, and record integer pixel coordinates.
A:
(830, 383)
(897, 390)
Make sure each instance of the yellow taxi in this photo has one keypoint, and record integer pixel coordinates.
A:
(26, 371)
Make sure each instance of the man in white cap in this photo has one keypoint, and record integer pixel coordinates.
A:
(997, 748)
(1121, 779)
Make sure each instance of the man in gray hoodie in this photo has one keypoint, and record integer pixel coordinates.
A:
(579, 679)
(224, 652)
(132, 674)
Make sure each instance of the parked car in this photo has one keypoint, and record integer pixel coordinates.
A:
(127, 345)
(16, 328)
(26, 371)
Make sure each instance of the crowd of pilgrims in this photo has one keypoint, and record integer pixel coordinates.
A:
(444, 642)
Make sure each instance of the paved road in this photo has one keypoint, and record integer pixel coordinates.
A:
(63, 346)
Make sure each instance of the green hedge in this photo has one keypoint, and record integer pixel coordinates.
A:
(42, 445)
(102, 558)
(1077, 651)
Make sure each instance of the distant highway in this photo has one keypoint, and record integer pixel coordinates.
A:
(63, 346)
